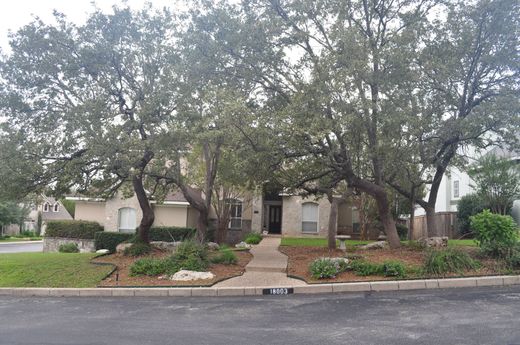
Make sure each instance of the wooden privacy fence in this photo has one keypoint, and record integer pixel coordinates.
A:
(446, 221)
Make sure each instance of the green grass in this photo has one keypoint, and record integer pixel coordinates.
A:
(50, 270)
(314, 242)
(322, 242)
(458, 243)
(20, 239)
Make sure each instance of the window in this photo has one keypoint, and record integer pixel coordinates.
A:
(309, 217)
(56, 207)
(127, 220)
(456, 189)
(235, 214)
(46, 207)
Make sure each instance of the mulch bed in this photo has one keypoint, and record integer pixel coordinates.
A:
(301, 257)
(121, 277)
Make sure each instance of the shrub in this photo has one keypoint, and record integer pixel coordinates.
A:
(69, 248)
(138, 249)
(440, 262)
(149, 267)
(110, 240)
(468, 205)
(226, 257)
(189, 256)
(402, 231)
(496, 235)
(324, 268)
(171, 233)
(387, 268)
(72, 229)
(27, 234)
(253, 238)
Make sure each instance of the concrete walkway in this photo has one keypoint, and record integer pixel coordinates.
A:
(267, 268)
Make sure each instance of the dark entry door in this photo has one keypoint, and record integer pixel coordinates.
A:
(275, 219)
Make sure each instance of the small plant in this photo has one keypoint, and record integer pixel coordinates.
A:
(226, 257)
(149, 267)
(138, 249)
(68, 248)
(496, 235)
(189, 256)
(402, 231)
(440, 262)
(324, 268)
(253, 238)
(386, 269)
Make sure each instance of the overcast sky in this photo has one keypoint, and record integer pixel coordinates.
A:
(16, 13)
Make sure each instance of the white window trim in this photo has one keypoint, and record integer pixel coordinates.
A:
(56, 207)
(119, 228)
(46, 207)
(231, 218)
(317, 217)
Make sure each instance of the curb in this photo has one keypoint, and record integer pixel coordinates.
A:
(22, 242)
(396, 285)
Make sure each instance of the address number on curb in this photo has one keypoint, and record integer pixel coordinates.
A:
(278, 291)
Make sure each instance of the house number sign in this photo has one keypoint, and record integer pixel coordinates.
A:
(278, 291)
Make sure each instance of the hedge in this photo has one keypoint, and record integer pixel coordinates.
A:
(171, 233)
(110, 240)
(72, 229)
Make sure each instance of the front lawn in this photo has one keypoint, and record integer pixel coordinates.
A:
(322, 242)
(19, 239)
(50, 270)
(314, 242)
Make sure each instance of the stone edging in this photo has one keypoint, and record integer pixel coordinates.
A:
(394, 285)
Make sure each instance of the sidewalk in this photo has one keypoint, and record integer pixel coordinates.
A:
(267, 268)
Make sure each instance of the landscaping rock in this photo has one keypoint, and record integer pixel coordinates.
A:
(185, 275)
(213, 246)
(434, 242)
(102, 251)
(375, 245)
(243, 245)
(166, 246)
(122, 246)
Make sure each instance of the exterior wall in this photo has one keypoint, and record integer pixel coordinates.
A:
(292, 215)
(170, 215)
(91, 211)
(112, 207)
(256, 218)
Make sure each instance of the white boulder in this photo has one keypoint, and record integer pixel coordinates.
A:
(122, 246)
(102, 251)
(185, 275)
(434, 242)
(243, 245)
(213, 246)
(165, 246)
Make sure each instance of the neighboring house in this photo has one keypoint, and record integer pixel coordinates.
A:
(456, 184)
(48, 207)
(277, 213)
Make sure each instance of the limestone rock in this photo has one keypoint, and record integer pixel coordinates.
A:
(165, 246)
(213, 246)
(122, 246)
(185, 275)
(102, 251)
(434, 242)
(375, 245)
(243, 245)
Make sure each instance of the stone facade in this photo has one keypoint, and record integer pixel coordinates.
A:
(52, 244)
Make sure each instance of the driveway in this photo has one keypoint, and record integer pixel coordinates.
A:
(456, 316)
(21, 247)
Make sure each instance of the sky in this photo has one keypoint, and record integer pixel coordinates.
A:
(17, 13)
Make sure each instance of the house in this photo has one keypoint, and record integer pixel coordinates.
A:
(457, 183)
(273, 213)
(48, 208)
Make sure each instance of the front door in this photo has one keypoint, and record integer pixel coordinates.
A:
(275, 219)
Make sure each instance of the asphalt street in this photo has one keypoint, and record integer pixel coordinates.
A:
(455, 316)
(19, 247)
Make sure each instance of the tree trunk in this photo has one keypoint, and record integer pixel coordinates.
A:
(383, 207)
(333, 223)
(146, 208)
(412, 223)
(202, 225)
(431, 222)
